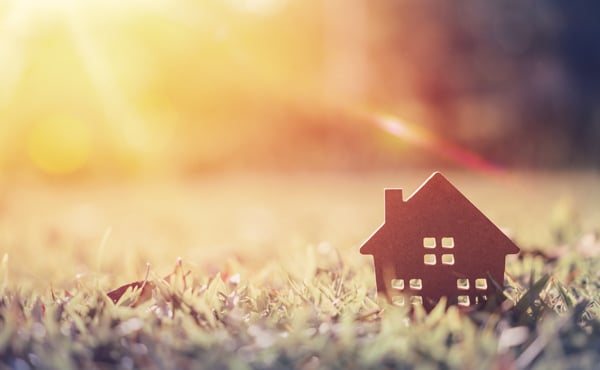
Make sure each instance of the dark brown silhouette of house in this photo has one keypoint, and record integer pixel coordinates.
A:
(436, 244)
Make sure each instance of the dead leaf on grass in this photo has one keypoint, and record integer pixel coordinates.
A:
(145, 286)
(177, 278)
(145, 294)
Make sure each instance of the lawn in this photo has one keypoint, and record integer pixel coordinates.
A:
(261, 272)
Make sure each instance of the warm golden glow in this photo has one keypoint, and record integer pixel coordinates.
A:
(258, 6)
(419, 137)
(203, 64)
(59, 145)
(194, 85)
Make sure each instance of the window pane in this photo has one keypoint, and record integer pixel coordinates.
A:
(398, 284)
(416, 284)
(416, 299)
(398, 300)
(448, 242)
(429, 242)
(481, 284)
(463, 300)
(462, 284)
(480, 299)
(448, 259)
(429, 259)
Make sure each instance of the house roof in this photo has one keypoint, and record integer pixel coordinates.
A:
(437, 202)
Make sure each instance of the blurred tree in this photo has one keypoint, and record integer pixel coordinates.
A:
(579, 49)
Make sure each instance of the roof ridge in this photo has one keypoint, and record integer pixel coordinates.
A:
(436, 177)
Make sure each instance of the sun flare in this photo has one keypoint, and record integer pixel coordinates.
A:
(419, 137)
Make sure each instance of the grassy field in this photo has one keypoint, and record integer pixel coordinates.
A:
(261, 272)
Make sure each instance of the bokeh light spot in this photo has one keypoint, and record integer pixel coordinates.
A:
(59, 145)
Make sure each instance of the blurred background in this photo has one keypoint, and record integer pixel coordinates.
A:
(142, 130)
(112, 88)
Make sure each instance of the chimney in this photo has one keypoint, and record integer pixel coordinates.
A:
(393, 203)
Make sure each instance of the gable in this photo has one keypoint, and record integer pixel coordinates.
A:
(437, 208)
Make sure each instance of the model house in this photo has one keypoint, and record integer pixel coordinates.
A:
(436, 243)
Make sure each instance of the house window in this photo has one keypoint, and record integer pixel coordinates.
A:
(416, 299)
(463, 300)
(481, 284)
(429, 259)
(416, 284)
(448, 242)
(480, 299)
(398, 284)
(429, 242)
(447, 259)
(462, 284)
(398, 300)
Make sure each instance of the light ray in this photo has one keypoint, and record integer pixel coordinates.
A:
(13, 31)
(122, 118)
(427, 140)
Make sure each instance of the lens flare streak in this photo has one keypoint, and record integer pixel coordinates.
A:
(427, 140)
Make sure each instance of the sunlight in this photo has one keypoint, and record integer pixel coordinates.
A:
(399, 128)
(103, 78)
(258, 6)
(98, 61)
(14, 28)
(427, 140)
(49, 5)
(62, 144)
(59, 145)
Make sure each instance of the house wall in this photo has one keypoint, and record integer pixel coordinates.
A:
(472, 260)
(437, 210)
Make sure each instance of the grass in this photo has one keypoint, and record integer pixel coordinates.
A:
(305, 302)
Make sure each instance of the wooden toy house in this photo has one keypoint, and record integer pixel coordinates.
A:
(437, 243)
